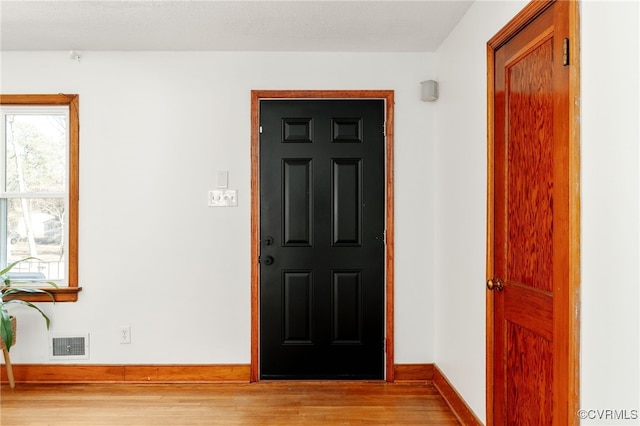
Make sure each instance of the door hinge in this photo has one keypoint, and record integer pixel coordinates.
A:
(260, 129)
(384, 129)
(565, 52)
(384, 236)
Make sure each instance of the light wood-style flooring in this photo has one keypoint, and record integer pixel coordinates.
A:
(263, 403)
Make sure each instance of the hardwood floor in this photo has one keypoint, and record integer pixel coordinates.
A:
(263, 403)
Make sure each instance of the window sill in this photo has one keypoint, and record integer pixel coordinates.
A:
(62, 294)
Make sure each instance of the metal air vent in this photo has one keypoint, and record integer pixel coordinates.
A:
(69, 347)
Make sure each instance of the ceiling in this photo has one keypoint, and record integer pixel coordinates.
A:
(214, 25)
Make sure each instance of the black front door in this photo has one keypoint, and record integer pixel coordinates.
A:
(322, 214)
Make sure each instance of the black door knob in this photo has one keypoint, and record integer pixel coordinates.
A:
(268, 241)
(268, 260)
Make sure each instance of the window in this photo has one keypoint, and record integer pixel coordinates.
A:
(39, 189)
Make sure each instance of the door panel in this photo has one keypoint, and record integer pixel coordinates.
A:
(530, 254)
(527, 265)
(297, 292)
(322, 220)
(347, 202)
(528, 361)
(529, 180)
(297, 208)
(347, 307)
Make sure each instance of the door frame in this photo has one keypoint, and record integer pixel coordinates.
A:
(567, 306)
(256, 96)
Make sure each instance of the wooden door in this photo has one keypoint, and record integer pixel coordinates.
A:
(322, 223)
(532, 247)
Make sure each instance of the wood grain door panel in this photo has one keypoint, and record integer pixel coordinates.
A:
(532, 219)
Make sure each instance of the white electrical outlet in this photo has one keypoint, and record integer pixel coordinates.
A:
(223, 198)
(125, 334)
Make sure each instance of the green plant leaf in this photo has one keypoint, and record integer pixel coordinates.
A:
(14, 290)
(31, 282)
(6, 331)
(11, 265)
(30, 305)
(18, 290)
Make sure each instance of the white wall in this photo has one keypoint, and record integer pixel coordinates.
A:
(156, 127)
(461, 191)
(609, 320)
(610, 355)
(155, 130)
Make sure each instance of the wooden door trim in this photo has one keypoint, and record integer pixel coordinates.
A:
(568, 328)
(256, 96)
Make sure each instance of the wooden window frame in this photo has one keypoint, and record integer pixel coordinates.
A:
(70, 292)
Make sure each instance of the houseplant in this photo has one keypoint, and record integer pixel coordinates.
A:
(10, 295)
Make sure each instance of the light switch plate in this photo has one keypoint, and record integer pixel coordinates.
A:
(223, 198)
(223, 179)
